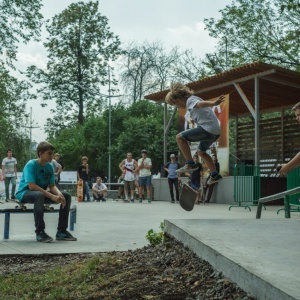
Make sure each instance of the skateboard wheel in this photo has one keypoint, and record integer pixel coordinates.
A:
(24, 208)
(51, 208)
(16, 206)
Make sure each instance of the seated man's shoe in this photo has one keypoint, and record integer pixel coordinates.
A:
(43, 237)
(65, 235)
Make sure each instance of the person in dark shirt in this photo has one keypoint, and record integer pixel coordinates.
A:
(195, 177)
(208, 189)
(82, 173)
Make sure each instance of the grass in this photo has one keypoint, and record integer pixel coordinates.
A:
(81, 280)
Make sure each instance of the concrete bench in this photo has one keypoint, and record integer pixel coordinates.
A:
(8, 211)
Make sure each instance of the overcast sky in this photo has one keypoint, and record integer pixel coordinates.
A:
(173, 22)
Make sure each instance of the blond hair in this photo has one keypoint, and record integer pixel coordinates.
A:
(296, 106)
(178, 91)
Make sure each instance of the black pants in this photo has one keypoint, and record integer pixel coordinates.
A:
(38, 199)
(173, 181)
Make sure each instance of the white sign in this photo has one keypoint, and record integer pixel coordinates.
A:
(68, 176)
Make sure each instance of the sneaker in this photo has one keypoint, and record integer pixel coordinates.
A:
(172, 201)
(149, 201)
(214, 179)
(187, 168)
(65, 236)
(125, 201)
(141, 200)
(132, 200)
(43, 237)
(103, 200)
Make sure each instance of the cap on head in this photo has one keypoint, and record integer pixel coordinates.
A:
(172, 155)
(144, 151)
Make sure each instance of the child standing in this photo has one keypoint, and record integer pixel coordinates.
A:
(82, 173)
(207, 130)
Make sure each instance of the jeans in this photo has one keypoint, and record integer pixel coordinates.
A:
(6, 183)
(38, 199)
(171, 182)
(86, 191)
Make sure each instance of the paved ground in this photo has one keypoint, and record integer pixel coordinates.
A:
(113, 225)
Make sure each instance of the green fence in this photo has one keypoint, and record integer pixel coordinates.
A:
(293, 181)
(246, 186)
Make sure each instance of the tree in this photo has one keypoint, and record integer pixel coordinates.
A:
(146, 68)
(79, 45)
(257, 30)
(189, 68)
(20, 20)
(133, 128)
(13, 97)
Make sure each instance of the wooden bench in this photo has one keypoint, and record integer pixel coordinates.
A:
(8, 211)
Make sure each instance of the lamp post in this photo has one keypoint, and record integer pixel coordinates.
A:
(109, 96)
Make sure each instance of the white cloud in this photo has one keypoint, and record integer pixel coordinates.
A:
(27, 59)
(195, 30)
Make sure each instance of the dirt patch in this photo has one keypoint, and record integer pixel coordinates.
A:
(168, 271)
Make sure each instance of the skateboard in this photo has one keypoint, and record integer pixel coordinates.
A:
(79, 192)
(22, 205)
(187, 197)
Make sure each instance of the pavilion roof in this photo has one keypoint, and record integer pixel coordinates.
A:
(278, 87)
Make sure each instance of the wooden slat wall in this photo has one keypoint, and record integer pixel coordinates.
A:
(278, 143)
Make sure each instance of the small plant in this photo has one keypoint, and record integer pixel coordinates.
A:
(156, 238)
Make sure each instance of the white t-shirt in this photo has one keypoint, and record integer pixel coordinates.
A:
(204, 117)
(9, 166)
(145, 172)
(100, 186)
(56, 166)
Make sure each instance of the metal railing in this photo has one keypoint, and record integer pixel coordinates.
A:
(286, 195)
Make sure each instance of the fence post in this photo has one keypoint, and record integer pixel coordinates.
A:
(6, 225)
(287, 207)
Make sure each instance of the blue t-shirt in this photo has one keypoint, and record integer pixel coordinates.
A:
(43, 176)
(172, 167)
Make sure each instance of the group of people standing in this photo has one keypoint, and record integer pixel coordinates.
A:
(196, 178)
(136, 174)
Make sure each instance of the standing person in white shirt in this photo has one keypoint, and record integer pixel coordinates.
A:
(128, 166)
(9, 173)
(144, 168)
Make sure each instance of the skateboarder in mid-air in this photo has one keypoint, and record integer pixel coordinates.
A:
(207, 130)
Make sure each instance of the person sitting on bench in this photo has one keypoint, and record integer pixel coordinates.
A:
(38, 175)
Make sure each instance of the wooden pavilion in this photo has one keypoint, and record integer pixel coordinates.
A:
(254, 89)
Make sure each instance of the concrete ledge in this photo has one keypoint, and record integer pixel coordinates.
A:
(260, 256)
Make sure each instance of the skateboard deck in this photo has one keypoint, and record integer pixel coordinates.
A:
(187, 197)
(22, 205)
(79, 192)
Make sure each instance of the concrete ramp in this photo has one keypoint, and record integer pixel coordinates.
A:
(261, 256)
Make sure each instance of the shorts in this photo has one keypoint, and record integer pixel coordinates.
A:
(145, 181)
(129, 183)
(199, 134)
